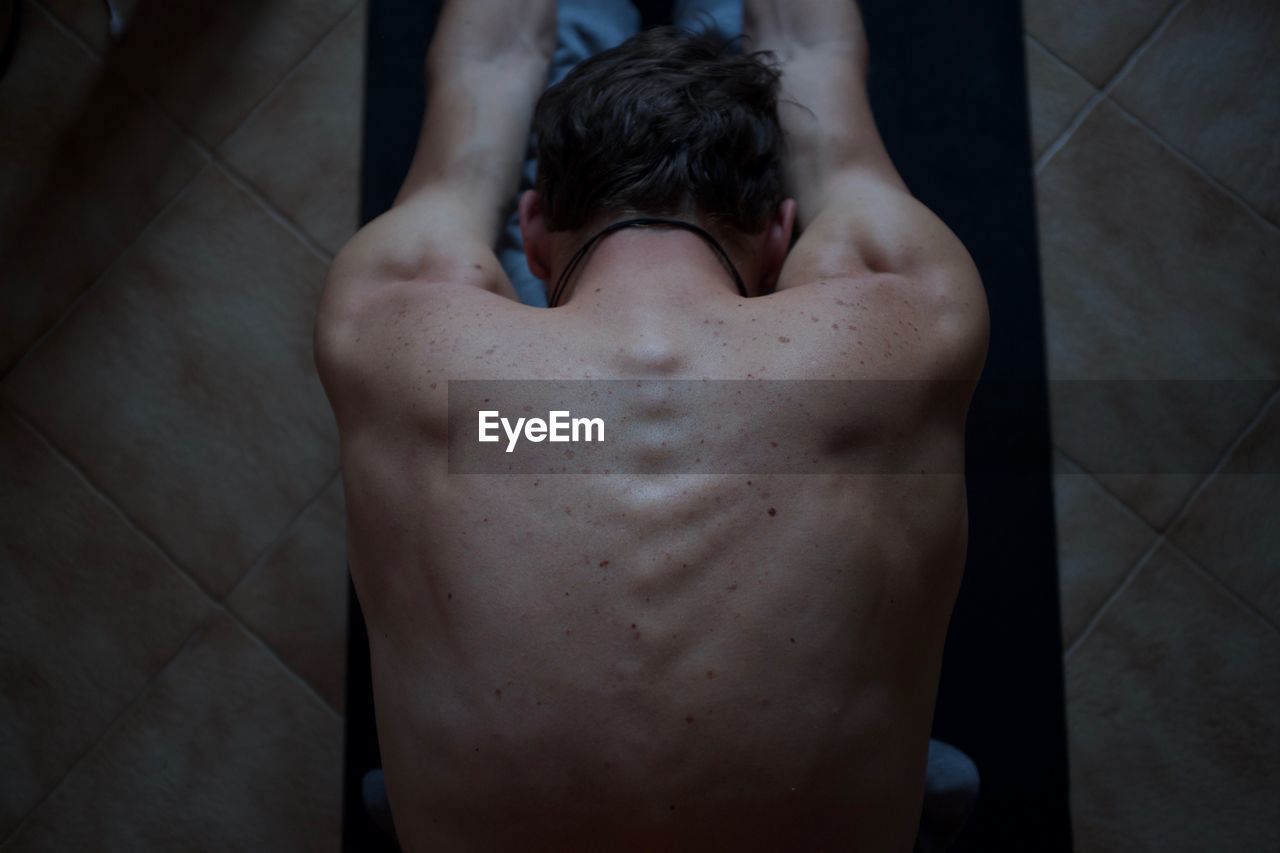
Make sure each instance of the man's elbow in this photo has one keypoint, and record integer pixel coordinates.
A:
(963, 329)
(958, 321)
(334, 333)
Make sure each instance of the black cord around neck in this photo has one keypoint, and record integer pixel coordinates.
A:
(644, 221)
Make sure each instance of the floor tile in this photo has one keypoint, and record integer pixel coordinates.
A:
(1056, 92)
(208, 64)
(1230, 528)
(296, 599)
(1171, 704)
(89, 612)
(1099, 542)
(74, 142)
(1210, 86)
(1151, 273)
(301, 149)
(1094, 36)
(225, 751)
(1152, 443)
(184, 385)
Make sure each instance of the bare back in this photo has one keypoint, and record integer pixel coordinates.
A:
(633, 661)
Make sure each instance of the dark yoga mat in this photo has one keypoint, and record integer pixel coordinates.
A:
(948, 89)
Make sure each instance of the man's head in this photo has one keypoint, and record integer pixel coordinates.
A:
(669, 123)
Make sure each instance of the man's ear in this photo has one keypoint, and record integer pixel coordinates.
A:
(533, 230)
(777, 242)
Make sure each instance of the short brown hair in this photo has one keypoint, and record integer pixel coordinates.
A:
(669, 122)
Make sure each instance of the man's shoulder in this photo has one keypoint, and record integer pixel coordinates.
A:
(894, 325)
(361, 312)
(381, 344)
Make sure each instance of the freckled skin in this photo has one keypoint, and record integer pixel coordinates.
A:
(759, 652)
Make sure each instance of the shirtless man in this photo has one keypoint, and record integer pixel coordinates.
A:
(638, 661)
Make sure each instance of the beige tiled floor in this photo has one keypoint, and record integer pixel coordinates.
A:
(172, 585)
(1158, 188)
(172, 582)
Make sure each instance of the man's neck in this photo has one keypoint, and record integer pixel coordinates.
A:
(647, 267)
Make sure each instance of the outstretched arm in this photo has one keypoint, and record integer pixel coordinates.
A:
(824, 110)
(485, 69)
(856, 213)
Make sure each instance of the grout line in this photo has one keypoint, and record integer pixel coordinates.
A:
(212, 159)
(1054, 147)
(262, 558)
(80, 297)
(131, 88)
(103, 495)
(244, 185)
(307, 685)
(1224, 458)
(1216, 581)
(280, 217)
(239, 181)
(69, 31)
(1056, 58)
(1224, 587)
(291, 73)
(1186, 160)
(1113, 596)
(148, 688)
(1157, 538)
(209, 154)
(287, 529)
(143, 693)
(1116, 499)
(177, 565)
(1109, 492)
(182, 572)
(1162, 537)
(1204, 478)
(1058, 144)
(93, 51)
